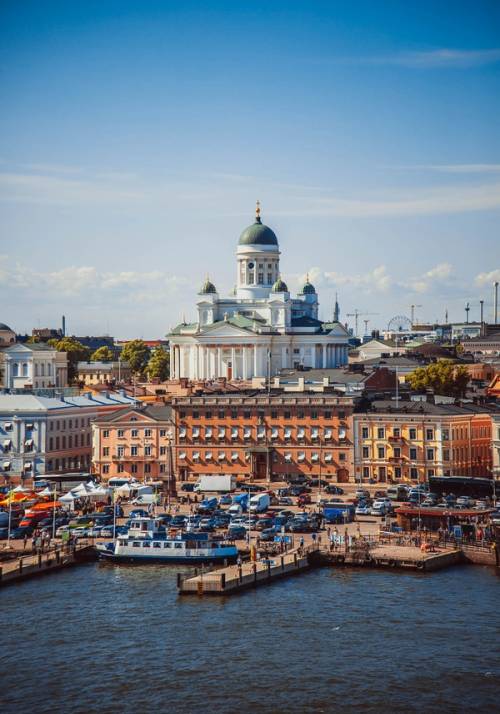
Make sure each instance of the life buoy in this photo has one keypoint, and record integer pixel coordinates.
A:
(420, 565)
(391, 563)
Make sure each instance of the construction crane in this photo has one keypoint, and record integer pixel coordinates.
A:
(357, 314)
(366, 326)
(412, 308)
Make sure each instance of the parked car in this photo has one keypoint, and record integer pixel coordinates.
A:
(178, 522)
(285, 501)
(268, 534)
(264, 523)
(379, 508)
(138, 513)
(61, 530)
(21, 531)
(222, 521)
(465, 502)
(207, 524)
(225, 500)
(362, 509)
(361, 494)
(301, 525)
(187, 487)
(303, 499)
(334, 490)
(235, 532)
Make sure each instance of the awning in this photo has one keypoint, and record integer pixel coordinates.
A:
(208, 455)
(301, 433)
(288, 457)
(328, 457)
(302, 456)
(7, 443)
(6, 465)
(222, 455)
(208, 433)
(182, 455)
(182, 432)
(247, 433)
(28, 443)
(196, 432)
(328, 433)
(29, 425)
(315, 457)
(196, 456)
(28, 466)
(234, 456)
(234, 433)
(222, 433)
(8, 425)
(274, 434)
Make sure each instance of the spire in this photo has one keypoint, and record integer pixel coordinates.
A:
(257, 212)
(336, 311)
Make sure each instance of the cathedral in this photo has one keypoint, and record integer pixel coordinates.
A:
(260, 329)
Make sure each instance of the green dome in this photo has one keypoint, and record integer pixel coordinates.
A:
(279, 286)
(207, 288)
(308, 288)
(258, 234)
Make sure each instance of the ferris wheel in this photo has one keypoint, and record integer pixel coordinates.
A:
(399, 323)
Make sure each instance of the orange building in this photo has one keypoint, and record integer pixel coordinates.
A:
(264, 436)
(134, 443)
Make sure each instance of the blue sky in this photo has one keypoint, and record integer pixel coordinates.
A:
(135, 138)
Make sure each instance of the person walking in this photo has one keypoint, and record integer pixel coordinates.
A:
(25, 541)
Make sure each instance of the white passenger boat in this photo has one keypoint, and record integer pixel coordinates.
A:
(148, 541)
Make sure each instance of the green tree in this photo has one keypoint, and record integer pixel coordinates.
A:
(33, 340)
(136, 353)
(159, 364)
(443, 377)
(76, 352)
(102, 354)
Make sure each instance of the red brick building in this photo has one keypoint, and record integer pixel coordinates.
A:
(264, 436)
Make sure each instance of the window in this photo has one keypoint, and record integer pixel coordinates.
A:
(366, 452)
(70, 441)
(364, 432)
(274, 415)
(413, 454)
(430, 473)
(234, 414)
(381, 452)
(63, 442)
(120, 434)
(261, 278)
(133, 468)
(105, 451)
(119, 468)
(397, 472)
(328, 414)
(133, 451)
(446, 434)
(147, 468)
(314, 415)
(287, 415)
(208, 415)
(341, 456)
(134, 433)
(221, 414)
(381, 433)
(269, 278)
(51, 444)
(396, 432)
(163, 450)
(76, 439)
(105, 468)
(429, 434)
(341, 415)
(366, 472)
(413, 474)
(70, 423)
(397, 452)
(246, 415)
(300, 414)
(120, 451)
(430, 454)
(147, 451)
(413, 433)
(147, 432)
(446, 454)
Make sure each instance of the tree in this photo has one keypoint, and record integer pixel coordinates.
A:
(76, 352)
(136, 353)
(159, 365)
(33, 340)
(443, 377)
(102, 354)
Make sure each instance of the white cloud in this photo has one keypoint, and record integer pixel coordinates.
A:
(459, 168)
(488, 278)
(440, 58)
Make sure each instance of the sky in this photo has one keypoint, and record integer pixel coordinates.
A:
(136, 136)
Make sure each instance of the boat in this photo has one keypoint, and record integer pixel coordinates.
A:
(148, 541)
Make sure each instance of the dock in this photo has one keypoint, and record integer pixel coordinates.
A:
(236, 578)
(390, 556)
(26, 566)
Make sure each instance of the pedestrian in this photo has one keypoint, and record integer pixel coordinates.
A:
(25, 540)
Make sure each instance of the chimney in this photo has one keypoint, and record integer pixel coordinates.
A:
(429, 397)
(63, 326)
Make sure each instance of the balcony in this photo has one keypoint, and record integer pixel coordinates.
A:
(136, 457)
(395, 439)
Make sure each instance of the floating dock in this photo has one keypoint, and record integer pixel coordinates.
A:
(30, 566)
(390, 556)
(235, 578)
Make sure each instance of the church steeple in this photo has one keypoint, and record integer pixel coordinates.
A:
(336, 310)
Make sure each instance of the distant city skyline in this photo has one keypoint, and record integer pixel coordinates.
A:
(137, 136)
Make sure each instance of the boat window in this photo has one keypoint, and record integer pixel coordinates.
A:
(178, 545)
(136, 544)
(167, 545)
(146, 545)
(156, 545)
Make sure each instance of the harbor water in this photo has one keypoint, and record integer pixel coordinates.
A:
(104, 638)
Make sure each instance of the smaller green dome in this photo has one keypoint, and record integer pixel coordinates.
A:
(279, 286)
(308, 288)
(207, 288)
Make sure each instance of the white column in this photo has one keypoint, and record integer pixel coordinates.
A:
(313, 356)
(283, 358)
(233, 362)
(171, 351)
(219, 362)
(244, 361)
(255, 360)
(324, 356)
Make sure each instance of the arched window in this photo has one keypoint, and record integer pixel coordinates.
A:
(36, 369)
(25, 369)
(42, 370)
(49, 370)
(15, 369)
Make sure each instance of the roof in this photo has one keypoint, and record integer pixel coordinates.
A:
(157, 413)
(30, 402)
(258, 234)
(207, 288)
(32, 346)
(306, 321)
(424, 407)
(335, 376)
(3, 326)
(431, 349)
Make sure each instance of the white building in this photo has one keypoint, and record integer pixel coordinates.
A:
(33, 366)
(261, 328)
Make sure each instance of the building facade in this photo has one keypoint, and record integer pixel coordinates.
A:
(261, 328)
(33, 366)
(135, 443)
(417, 440)
(40, 435)
(92, 373)
(264, 436)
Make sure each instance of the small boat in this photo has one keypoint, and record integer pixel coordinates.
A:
(148, 541)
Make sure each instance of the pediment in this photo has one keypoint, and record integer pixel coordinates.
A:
(225, 329)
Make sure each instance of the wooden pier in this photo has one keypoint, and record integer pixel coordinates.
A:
(234, 578)
(390, 556)
(29, 566)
